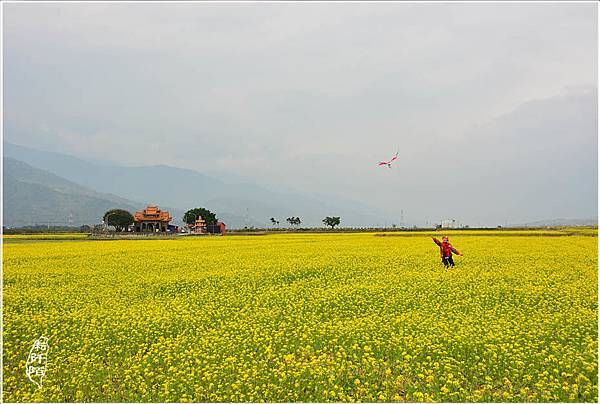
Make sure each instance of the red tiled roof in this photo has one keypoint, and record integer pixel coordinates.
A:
(152, 213)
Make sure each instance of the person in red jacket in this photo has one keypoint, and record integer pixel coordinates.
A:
(446, 251)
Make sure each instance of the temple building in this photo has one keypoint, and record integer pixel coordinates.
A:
(151, 219)
(199, 226)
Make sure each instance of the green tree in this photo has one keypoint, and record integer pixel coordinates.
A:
(191, 215)
(293, 220)
(118, 218)
(331, 221)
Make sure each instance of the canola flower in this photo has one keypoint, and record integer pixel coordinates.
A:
(44, 236)
(304, 317)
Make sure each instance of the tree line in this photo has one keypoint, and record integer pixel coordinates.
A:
(121, 219)
(331, 221)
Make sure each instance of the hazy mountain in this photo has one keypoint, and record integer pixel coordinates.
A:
(559, 222)
(33, 196)
(237, 203)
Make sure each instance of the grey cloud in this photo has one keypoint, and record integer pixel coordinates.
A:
(312, 95)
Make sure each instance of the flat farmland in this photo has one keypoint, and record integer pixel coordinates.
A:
(304, 317)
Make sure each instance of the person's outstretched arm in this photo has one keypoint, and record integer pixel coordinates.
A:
(455, 251)
(435, 240)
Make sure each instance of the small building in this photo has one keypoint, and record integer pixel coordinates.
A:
(219, 227)
(199, 226)
(151, 219)
(449, 224)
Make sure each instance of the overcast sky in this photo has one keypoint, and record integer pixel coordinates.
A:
(493, 107)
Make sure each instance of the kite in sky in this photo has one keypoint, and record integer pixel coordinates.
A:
(388, 163)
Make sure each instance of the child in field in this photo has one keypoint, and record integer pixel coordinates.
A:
(446, 251)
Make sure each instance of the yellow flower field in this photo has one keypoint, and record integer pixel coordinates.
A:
(304, 317)
(45, 236)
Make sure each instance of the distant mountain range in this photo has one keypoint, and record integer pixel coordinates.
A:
(559, 222)
(57, 189)
(78, 191)
(33, 196)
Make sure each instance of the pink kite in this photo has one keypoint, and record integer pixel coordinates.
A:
(388, 163)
